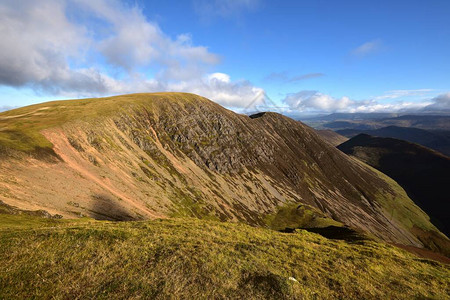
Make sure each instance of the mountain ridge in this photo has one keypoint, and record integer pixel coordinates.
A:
(173, 154)
(438, 140)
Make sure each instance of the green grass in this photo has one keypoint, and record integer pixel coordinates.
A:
(198, 259)
(20, 128)
(191, 205)
(297, 215)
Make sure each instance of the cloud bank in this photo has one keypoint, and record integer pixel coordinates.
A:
(80, 48)
(441, 102)
(313, 100)
(403, 93)
(316, 102)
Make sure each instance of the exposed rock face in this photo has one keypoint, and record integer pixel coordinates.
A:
(159, 155)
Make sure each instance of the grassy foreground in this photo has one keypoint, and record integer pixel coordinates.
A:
(197, 259)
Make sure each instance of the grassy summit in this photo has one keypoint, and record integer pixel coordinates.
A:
(20, 128)
(198, 259)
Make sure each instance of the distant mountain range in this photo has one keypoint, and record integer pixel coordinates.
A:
(354, 116)
(438, 140)
(376, 121)
(423, 173)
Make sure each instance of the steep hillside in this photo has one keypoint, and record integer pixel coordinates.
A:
(332, 137)
(198, 259)
(435, 139)
(171, 154)
(422, 172)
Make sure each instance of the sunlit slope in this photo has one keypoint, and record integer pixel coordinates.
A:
(172, 154)
(191, 258)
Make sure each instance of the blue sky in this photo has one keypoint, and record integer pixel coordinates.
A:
(305, 56)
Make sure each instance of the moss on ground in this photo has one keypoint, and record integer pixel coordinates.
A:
(191, 205)
(296, 215)
(198, 259)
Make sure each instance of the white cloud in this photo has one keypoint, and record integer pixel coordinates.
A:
(441, 102)
(37, 40)
(373, 106)
(46, 49)
(313, 101)
(367, 48)
(219, 77)
(237, 94)
(403, 93)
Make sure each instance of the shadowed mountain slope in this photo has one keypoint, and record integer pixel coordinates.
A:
(422, 172)
(435, 139)
(172, 154)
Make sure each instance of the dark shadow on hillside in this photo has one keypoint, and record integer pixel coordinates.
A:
(258, 115)
(46, 154)
(335, 233)
(339, 233)
(106, 208)
(422, 172)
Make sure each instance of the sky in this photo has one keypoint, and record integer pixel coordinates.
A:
(294, 57)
